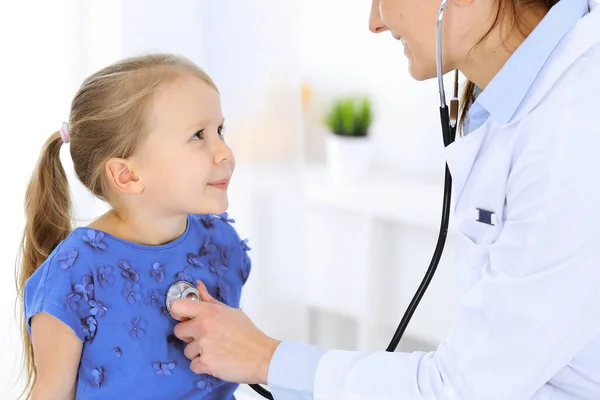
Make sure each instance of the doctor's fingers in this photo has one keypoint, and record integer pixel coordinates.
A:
(184, 309)
(199, 364)
(200, 325)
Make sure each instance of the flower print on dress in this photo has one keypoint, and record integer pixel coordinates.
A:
(137, 327)
(72, 300)
(207, 383)
(90, 328)
(217, 267)
(157, 272)
(208, 221)
(97, 308)
(154, 298)
(164, 368)
(85, 288)
(128, 272)
(207, 247)
(194, 260)
(104, 276)
(183, 275)
(94, 239)
(117, 351)
(67, 258)
(97, 377)
(132, 292)
(225, 217)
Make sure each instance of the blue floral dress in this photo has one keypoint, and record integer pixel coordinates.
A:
(111, 293)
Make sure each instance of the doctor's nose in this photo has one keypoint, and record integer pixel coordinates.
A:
(376, 24)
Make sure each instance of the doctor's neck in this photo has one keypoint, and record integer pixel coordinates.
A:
(513, 23)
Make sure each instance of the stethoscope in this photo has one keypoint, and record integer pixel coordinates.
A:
(449, 117)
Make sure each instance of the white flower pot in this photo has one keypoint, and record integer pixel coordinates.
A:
(348, 158)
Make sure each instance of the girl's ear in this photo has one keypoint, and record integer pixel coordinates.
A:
(122, 177)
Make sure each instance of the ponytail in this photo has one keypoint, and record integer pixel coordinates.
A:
(47, 223)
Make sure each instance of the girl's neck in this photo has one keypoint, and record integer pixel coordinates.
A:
(141, 229)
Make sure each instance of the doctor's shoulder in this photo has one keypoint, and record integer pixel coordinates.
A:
(564, 103)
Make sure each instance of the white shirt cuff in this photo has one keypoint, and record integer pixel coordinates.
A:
(292, 370)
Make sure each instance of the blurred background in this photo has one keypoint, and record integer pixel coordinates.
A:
(341, 228)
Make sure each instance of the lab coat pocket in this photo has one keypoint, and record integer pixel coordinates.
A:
(470, 259)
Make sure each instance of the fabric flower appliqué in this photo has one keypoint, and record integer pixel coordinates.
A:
(85, 288)
(217, 267)
(72, 301)
(128, 272)
(97, 308)
(164, 368)
(194, 260)
(183, 275)
(137, 327)
(104, 276)
(225, 217)
(67, 258)
(208, 221)
(90, 328)
(225, 253)
(207, 383)
(94, 239)
(157, 272)
(132, 292)
(97, 376)
(154, 298)
(222, 292)
(207, 247)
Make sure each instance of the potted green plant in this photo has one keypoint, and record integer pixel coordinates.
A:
(348, 120)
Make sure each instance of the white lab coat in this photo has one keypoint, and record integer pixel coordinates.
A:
(529, 320)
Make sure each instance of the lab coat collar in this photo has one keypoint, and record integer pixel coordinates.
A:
(462, 154)
(505, 93)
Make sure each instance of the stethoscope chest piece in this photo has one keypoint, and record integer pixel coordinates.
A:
(181, 290)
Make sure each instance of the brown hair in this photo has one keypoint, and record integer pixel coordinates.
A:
(107, 120)
(508, 11)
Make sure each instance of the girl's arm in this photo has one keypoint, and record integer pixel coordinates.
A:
(57, 355)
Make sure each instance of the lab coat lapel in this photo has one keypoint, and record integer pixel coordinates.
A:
(461, 156)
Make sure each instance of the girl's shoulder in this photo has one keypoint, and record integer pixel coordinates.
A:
(220, 226)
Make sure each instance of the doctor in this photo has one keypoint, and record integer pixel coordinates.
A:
(529, 321)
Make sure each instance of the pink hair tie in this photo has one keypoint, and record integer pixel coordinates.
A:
(64, 133)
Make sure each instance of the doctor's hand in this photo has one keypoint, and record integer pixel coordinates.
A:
(222, 341)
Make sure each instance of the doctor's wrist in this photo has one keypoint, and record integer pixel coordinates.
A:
(266, 355)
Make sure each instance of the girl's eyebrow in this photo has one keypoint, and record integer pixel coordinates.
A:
(205, 122)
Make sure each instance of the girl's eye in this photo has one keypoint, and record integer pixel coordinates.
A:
(198, 135)
(220, 131)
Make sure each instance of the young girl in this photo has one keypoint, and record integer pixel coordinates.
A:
(146, 135)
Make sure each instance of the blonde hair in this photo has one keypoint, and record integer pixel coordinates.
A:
(508, 11)
(108, 116)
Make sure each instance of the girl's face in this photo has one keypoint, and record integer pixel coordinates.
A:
(183, 163)
(465, 23)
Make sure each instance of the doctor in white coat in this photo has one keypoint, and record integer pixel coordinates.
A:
(529, 320)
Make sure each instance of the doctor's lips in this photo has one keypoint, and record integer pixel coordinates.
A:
(221, 184)
(400, 38)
